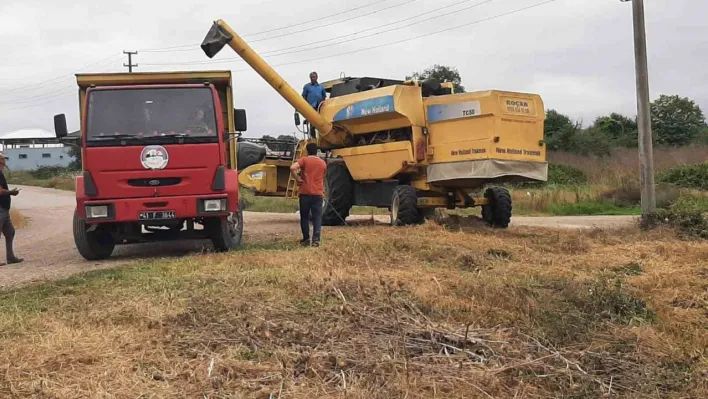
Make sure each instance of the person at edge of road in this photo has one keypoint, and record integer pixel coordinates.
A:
(313, 92)
(309, 172)
(6, 227)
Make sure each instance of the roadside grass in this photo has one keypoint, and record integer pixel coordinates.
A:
(281, 205)
(61, 182)
(623, 164)
(448, 311)
(592, 208)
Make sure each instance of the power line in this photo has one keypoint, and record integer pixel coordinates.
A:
(388, 24)
(321, 18)
(332, 23)
(292, 33)
(37, 100)
(412, 38)
(59, 78)
(347, 35)
(44, 101)
(41, 96)
(399, 41)
(352, 34)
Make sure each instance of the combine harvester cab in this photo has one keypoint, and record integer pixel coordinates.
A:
(158, 157)
(413, 146)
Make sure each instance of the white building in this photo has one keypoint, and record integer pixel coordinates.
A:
(28, 149)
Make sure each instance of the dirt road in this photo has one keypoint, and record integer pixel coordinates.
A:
(47, 243)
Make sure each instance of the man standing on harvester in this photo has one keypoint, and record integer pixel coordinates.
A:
(313, 92)
(309, 172)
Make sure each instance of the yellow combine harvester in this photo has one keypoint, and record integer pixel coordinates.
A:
(413, 146)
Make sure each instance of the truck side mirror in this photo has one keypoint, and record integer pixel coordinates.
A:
(240, 120)
(297, 119)
(60, 128)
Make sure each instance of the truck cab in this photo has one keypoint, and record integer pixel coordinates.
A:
(159, 160)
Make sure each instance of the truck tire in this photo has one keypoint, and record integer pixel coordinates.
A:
(498, 212)
(404, 207)
(339, 192)
(92, 245)
(227, 232)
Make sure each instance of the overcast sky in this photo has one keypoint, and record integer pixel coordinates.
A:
(577, 54)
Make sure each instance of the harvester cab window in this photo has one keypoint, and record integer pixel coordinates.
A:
(146, 113)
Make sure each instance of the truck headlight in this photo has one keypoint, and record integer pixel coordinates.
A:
(214, 205)
(258, 175)
(97, 211)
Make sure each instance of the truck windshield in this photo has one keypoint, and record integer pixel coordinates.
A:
(151, 113)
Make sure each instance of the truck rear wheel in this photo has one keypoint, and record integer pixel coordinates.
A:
(92, 245)
(498, 212)
(404, 206)
(227, 232)
(339, 191)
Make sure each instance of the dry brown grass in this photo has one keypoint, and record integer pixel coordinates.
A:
(18, 219)
(376, 312)
(623, 164)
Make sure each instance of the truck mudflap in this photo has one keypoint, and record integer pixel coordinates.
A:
(157, 209)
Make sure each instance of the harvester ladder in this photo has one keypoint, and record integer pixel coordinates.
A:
(291, 190)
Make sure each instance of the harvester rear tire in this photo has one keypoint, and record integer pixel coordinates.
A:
(498, 212)
(92, 245)
(404, 206)
(339, 193)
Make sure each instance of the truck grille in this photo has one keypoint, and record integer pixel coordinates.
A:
(167, 181)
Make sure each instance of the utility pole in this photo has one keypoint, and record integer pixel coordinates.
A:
(646, 151)
(130, 64)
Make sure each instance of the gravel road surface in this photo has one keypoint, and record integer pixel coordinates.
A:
(47, 244)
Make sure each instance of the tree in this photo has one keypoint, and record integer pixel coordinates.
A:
(676, 121)
(442, 74)
(75, 151)
(562, 134)
(558, 131)
(620, 129)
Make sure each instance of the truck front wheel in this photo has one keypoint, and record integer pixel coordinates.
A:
(92, 245)
(226, 232)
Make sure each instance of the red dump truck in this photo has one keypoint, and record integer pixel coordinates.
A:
(160, 160)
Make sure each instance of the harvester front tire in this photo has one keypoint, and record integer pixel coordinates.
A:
(227, 232)
(498, 212)
(404, 206)
(339, 192)
(92, 245)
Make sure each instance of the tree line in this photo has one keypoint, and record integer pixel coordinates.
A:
(676, 122)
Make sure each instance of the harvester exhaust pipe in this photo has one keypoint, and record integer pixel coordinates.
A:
(221, 34)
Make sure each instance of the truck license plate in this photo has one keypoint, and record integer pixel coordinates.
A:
(157, 215)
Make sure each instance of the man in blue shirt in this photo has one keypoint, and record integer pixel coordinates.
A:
(313, 92)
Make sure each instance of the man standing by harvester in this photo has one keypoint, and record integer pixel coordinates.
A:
(310, 172)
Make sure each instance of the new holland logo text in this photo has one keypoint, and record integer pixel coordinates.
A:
(375, 110)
